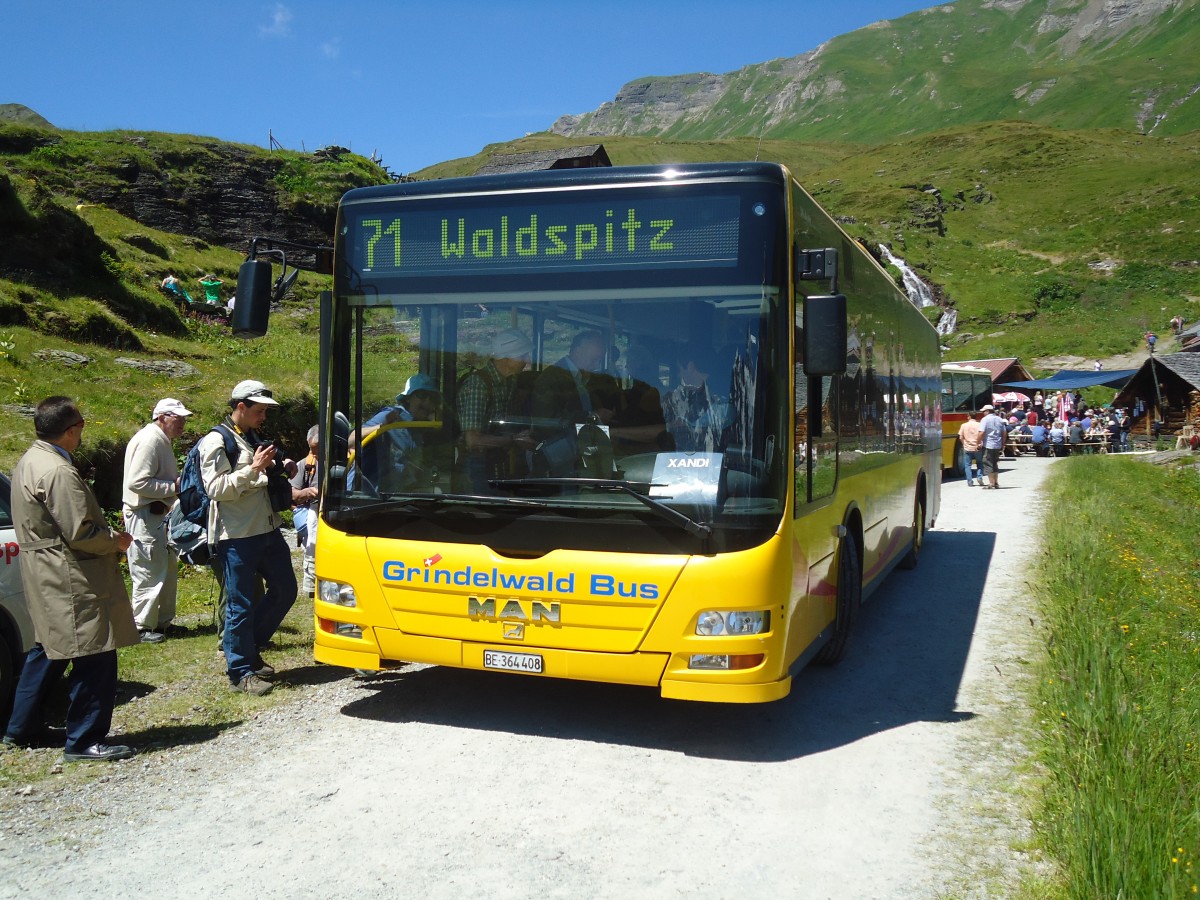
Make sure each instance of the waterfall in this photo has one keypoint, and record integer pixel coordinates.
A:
(918, 291)
(948, 321)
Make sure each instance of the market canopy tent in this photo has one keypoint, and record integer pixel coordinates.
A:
(1070, 379)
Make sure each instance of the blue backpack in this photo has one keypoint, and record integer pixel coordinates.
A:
(193, 499)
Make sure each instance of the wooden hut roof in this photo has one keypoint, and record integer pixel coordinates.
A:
(588, 156)
(1003, 370)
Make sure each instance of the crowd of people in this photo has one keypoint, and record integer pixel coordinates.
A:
(1062, 425)
(82, 612)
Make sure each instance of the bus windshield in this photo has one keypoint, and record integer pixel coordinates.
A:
(502, 364)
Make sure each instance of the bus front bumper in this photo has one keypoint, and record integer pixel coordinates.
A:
(384, 649)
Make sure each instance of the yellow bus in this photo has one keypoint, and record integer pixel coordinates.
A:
(965, 389)
(745, 446)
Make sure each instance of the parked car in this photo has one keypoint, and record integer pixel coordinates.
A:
(16, 629)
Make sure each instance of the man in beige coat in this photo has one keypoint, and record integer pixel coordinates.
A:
(73, 586)
(149, 487)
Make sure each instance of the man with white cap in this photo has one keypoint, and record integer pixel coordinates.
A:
(485, 395)
(243, 527)
(148, 489)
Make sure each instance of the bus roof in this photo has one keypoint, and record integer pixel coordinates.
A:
(974, 370)
(602, 175)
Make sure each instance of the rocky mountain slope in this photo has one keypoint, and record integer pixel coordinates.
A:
(1128, 64)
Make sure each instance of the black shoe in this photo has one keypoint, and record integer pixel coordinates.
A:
(50, 736)
(99, 752)
(153, 637)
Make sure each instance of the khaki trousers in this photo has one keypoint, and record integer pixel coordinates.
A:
(153, 569)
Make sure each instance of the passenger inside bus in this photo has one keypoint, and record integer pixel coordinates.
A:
(570, 396)
(399, 458)
(696, 416)
(488, 396)
(640, 426)
(571, 390)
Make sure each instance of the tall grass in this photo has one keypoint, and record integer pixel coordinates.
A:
(1120, 585)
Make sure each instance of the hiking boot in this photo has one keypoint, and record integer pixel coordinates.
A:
(253, 684)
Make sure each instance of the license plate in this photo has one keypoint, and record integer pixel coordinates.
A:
(512, 662)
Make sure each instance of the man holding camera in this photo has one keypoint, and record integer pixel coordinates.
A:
(148, 489)
(243, 527)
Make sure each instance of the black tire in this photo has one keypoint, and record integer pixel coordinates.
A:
(849, 599)
(958, 457)
(913, 556)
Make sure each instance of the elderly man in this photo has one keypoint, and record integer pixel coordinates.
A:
(149, 488)
(243, 526)
(74, 590)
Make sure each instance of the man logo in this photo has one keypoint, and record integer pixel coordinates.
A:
(514, 631)
(514, 611)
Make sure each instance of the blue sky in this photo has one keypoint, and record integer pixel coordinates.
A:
(418, 83)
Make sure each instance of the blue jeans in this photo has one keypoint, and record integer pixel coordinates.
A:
(250, 625)
(976, 455)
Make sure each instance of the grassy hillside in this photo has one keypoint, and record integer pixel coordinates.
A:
(1050, 242)
(79, 276)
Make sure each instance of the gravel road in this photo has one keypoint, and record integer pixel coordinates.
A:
(893, 774)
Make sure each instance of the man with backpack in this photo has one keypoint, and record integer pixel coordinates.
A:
(243, 529)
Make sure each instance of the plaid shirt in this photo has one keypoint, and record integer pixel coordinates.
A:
(485, 395)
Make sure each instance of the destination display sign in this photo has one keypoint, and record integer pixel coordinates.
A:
(592, 235)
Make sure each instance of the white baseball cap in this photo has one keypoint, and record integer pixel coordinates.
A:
(253, 392)
(169, 406)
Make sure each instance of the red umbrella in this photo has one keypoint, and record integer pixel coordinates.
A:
(1010, 397)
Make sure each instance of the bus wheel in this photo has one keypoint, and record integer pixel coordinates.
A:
(913, 556)
(849, 598)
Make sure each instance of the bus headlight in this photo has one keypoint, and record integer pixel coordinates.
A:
(713, 622)
(336, 592)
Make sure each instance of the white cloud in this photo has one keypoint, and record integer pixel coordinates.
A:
(332, 49)
(281, 22)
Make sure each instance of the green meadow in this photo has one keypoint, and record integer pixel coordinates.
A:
(1118, 697)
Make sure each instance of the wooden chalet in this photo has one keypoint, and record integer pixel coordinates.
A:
(1168, 387)
(590, 156)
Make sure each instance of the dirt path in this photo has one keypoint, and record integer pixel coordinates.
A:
(891, 775)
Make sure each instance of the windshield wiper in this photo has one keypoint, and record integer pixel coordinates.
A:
(672, 515)
(422, 503)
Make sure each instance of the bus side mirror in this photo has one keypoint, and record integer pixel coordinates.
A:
(825, 334)
(252, 301)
